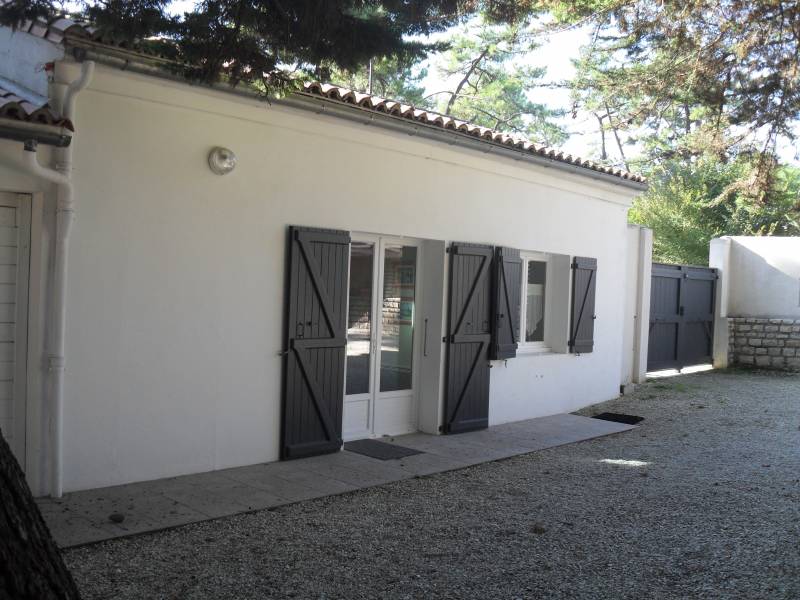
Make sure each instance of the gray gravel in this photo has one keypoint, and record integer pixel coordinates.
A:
(714, 514)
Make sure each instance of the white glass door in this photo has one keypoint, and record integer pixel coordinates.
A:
(380, 369)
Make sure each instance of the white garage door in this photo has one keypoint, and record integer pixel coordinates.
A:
(14, 266)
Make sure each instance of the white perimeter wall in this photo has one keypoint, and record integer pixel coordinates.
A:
(761, 274)
(176, 275)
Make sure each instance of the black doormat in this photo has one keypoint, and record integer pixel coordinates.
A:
(619, 418)
(380, 450)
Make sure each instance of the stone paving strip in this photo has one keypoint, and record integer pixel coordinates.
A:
(85, 517)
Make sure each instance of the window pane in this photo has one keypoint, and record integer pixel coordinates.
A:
(359, 317)
(534, 315)
(397, 314)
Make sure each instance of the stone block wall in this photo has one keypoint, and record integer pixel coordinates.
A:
(766, 343)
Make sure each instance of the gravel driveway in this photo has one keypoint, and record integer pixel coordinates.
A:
(710, 510)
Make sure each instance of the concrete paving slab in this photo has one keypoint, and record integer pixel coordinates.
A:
(295, 472)
(224, 500)
(70, 530)
(83, 517)
(264, 478)
(427, 464)
(359, 478)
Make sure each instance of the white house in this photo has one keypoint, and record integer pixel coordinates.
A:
(366, 269)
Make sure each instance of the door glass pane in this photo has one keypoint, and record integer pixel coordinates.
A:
(359, 318)
(534, 315)
(397, 314)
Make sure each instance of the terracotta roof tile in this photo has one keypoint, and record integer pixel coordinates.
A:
(392, 107)
(18, 109)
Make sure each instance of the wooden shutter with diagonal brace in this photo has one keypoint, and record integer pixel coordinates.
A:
(315, 341)
(508, 289)
(469, 334)
(584, 283)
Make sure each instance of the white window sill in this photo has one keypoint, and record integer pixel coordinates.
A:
(524, 350)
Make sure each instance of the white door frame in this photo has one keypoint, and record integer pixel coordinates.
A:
(19, 403)
(380, 242)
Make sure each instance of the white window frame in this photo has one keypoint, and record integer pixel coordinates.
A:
(543, 346)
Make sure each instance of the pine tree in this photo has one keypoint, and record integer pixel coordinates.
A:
(492, 82)
(261, 43)
(696, 95)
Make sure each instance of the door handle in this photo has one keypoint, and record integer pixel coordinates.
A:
(425, 339)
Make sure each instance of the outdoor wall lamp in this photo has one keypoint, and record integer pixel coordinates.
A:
(221, 161)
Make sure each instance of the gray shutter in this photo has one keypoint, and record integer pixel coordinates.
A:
(314, 354)
(508, 289)
(469, 335)
(584, 281)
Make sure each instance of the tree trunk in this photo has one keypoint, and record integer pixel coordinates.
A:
(31, 567)
(603, 153)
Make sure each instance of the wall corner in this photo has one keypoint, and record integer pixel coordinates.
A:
(719, 256)
(642, 328)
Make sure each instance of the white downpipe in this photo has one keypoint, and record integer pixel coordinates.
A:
(65, 212)
(31, 163)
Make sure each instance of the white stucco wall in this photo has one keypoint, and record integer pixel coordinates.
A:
(636, 322)
(175, 299)
(761, 276)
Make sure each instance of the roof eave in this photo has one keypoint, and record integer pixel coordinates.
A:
(124, 59)
(364, 116)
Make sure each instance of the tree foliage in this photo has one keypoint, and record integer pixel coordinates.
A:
(492, 84)
(262, 42)
(689, 204)
(697, 95)
(486, 78)
(391, 77)
(674, 67)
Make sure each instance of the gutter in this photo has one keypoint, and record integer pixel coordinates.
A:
(155, 67)
(61, 175)
(22, 131)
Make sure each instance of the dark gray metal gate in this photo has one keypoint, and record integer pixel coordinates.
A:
(681, 316)
(469, 333)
